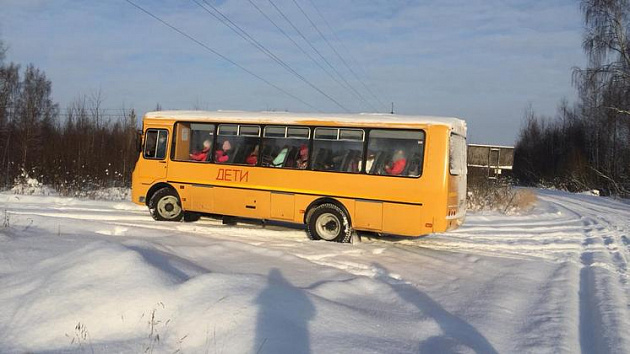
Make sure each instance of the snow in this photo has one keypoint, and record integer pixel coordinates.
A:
(102, 276)
(25, 184)
(109, 193)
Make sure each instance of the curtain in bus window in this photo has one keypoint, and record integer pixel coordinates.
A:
(285, 147)
(395, 153)
(339, 150)
(238, 144)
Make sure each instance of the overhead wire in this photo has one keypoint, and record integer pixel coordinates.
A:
(345, 47)
(250, 39)
(282, 14)
(297, 45)
(208, 48)
(333, 48)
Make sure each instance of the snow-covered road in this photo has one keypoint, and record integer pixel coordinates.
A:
(103, 276)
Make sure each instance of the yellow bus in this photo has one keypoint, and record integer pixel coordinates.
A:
(335, 173)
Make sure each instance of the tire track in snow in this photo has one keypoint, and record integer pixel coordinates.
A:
(602, 279)
(603, 233)
(557, 237)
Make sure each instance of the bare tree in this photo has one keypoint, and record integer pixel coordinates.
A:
(607, 47)
(86, 147)
(9, 92)
(588, 146)
(35, 107)
(3, 51)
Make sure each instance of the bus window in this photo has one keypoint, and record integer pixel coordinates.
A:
(275, 132)
(285, 147)
(298, 132)
(339, 150)
(237, 144)
(155, 144)
(193, 142)
(457, 155)
(249, 130)
(326, 133)
(395, 152)
(150, 142)
(352, 135)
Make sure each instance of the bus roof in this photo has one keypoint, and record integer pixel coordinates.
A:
(361, 119)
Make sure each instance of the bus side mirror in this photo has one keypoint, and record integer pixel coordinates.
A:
(139, 140)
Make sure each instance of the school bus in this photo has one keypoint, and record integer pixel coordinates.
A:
(335, 173)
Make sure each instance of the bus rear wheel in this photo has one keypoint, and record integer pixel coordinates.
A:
(165, 205)
(330, 223)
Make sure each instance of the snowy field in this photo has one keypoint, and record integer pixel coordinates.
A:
(96, 276)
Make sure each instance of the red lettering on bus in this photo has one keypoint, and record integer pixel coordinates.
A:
(244, 176)
(232, 175)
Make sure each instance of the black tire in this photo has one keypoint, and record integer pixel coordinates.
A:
(190, 216)
(328, 222)
(166, 206)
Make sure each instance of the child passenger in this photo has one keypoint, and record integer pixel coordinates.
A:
(203, 154)
(252, 159)
(279, 160)
(398, 164)
(302, 161)
(223, 154)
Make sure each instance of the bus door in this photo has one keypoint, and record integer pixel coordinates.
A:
(154, 162)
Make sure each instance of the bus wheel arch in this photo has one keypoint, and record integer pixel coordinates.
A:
(165, 204)
(328, 219)
(154, 188)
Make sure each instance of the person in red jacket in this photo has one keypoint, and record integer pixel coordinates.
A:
(302, 161)
(252, 159)
(222, 155)
(398, 164)
(203, 154)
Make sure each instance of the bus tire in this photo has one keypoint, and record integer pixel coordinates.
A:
(190, 216)
(330, 223)
(166, 206)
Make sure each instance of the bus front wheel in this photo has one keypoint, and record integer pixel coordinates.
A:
(165, 205)
(330, 223)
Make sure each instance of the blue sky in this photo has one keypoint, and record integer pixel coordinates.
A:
(481, 60)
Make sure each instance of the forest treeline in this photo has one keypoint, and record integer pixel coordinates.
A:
(587, 144)
(81, 147)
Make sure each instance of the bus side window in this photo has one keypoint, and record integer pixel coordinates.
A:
(395, 153)
(285, 147)
(339, 150)
(150, 142)
(193, 142)
(457, 155)
(155, 144)
(238, 144)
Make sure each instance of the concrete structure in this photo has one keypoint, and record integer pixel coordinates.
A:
(490, 161)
